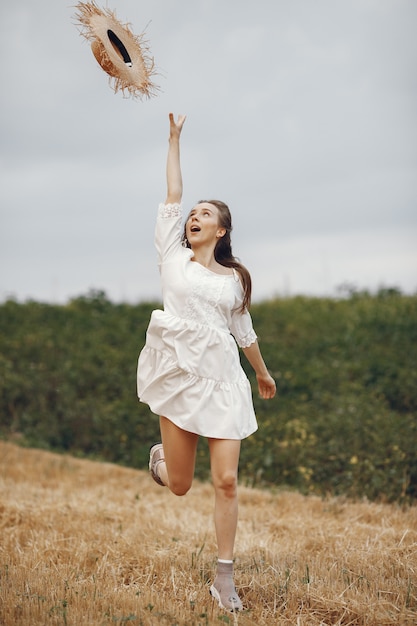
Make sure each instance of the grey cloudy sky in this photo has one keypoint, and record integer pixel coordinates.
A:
(301, 114)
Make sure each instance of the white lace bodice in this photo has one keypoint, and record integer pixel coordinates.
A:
(191, 291)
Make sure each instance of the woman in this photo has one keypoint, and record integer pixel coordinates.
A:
(189, 371)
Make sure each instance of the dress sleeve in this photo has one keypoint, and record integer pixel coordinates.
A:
(168, 231)
(242, 329)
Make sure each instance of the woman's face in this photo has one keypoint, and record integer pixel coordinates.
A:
(202, 226)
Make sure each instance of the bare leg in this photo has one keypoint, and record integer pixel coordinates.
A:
(180, 448)
(224, 458)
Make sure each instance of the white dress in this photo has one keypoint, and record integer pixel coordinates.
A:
(189, 369)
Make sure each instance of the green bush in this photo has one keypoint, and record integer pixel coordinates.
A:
(343, 422)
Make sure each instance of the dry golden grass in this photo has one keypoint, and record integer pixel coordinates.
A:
(85, 543)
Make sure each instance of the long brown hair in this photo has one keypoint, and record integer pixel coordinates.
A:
(223, 250)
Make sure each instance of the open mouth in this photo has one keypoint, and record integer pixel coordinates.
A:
(195, 229)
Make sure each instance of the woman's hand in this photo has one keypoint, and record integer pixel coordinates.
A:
(266, 384)
(267, 387)
(175, 127)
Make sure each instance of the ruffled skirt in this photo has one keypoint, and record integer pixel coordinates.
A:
(191, 374)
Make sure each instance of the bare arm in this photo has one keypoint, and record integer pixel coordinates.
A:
(266, 383)
(174, 177)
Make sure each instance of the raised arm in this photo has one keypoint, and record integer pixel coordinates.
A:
(174, 177)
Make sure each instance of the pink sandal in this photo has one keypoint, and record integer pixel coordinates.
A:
(156, 456)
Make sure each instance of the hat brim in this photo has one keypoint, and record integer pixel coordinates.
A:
(121, 54)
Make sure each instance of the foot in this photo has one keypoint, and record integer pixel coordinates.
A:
(227, 597)
(223, 589)
(156, 456)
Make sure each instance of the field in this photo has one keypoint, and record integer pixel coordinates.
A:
(89, 543)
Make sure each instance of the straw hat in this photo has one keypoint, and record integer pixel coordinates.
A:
(121, 54)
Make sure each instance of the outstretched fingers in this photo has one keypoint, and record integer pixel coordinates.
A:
(176, 126)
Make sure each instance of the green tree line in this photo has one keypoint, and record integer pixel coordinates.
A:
(343, 422)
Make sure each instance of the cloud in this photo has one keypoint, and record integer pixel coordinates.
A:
(302, 116)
